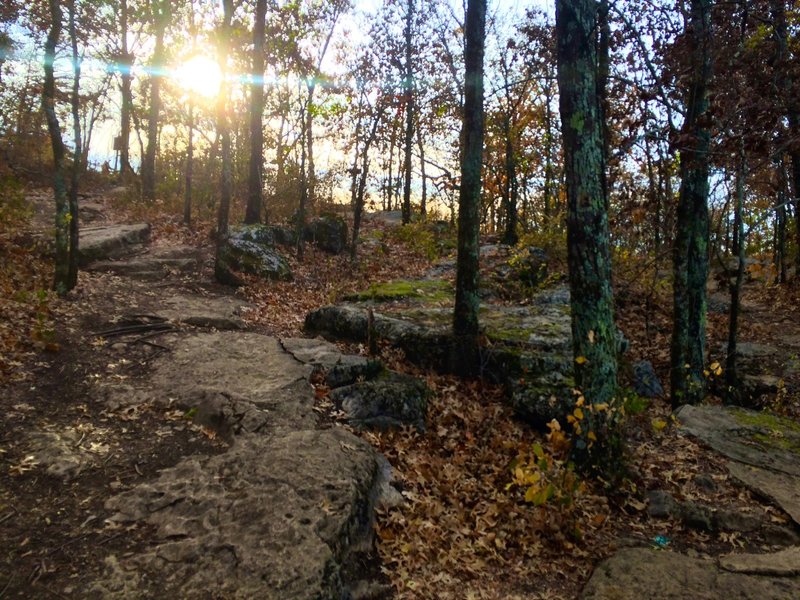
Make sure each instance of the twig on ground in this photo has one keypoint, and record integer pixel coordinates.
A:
(129, 329)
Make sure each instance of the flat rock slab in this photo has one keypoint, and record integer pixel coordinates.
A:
(779, 488)
(113, 241)
(156, 264)
(270, 518)
(245, 373)
(754, 438)
(785, 563)
(388, 217)
(637, 573)
(218, 312)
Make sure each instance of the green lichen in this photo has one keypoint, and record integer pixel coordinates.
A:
(766, 421)
(774, 440)
(429, 291)
(770, 430)
(513, 335)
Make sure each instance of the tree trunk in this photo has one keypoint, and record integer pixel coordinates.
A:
(510, 236)
(160, 10)
(187, 192)
(423, 204)
(594, 336)
(603, 72)
(785, 84)
(408, 85)
(465, 313)
(690, 250)
(255, 181)
(780, 225)
(223, 128)
(301, 213)
(126, 61)
(358, 205)
(731, 374)
(280, 159)
(72, 271)
(62, 233)
(548, 157)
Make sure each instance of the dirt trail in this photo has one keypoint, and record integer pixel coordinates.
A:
(152, 452)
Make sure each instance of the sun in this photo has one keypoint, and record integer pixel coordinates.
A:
(199, 75)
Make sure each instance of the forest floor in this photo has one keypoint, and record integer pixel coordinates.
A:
(463, 531)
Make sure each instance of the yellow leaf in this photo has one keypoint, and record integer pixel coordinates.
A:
(580, 401)
(658, 424)
(578, 414)
(581, 360)
(591, 436)
(538, 451)
(532, 493)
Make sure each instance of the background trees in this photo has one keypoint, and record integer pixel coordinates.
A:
(364, 107)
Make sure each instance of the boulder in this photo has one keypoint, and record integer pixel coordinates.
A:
(390, 401)
(645, 380)
(250, 249)
(528, 267)
(328, 232)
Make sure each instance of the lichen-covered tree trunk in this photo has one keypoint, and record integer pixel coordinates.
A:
(255, 182)
(61, 276)
(465, 313)
(593, 331)
(690, 250)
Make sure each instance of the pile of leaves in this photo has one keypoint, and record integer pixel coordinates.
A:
(320, 279)
(25, 278)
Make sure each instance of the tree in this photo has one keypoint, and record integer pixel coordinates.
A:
(75, 102)
(465, 312)
(223, 129)
(125, 65)
(160, 13)
(594, 336)
(255, 180)
(408, 89)
(61, 280)
(690, 250)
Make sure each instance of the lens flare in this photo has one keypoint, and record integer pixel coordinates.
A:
(199, 75)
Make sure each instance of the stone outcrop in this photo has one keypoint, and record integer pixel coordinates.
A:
(328, 232)
(529, 348)
(285, 509)
(111, 241)
(250, 249)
